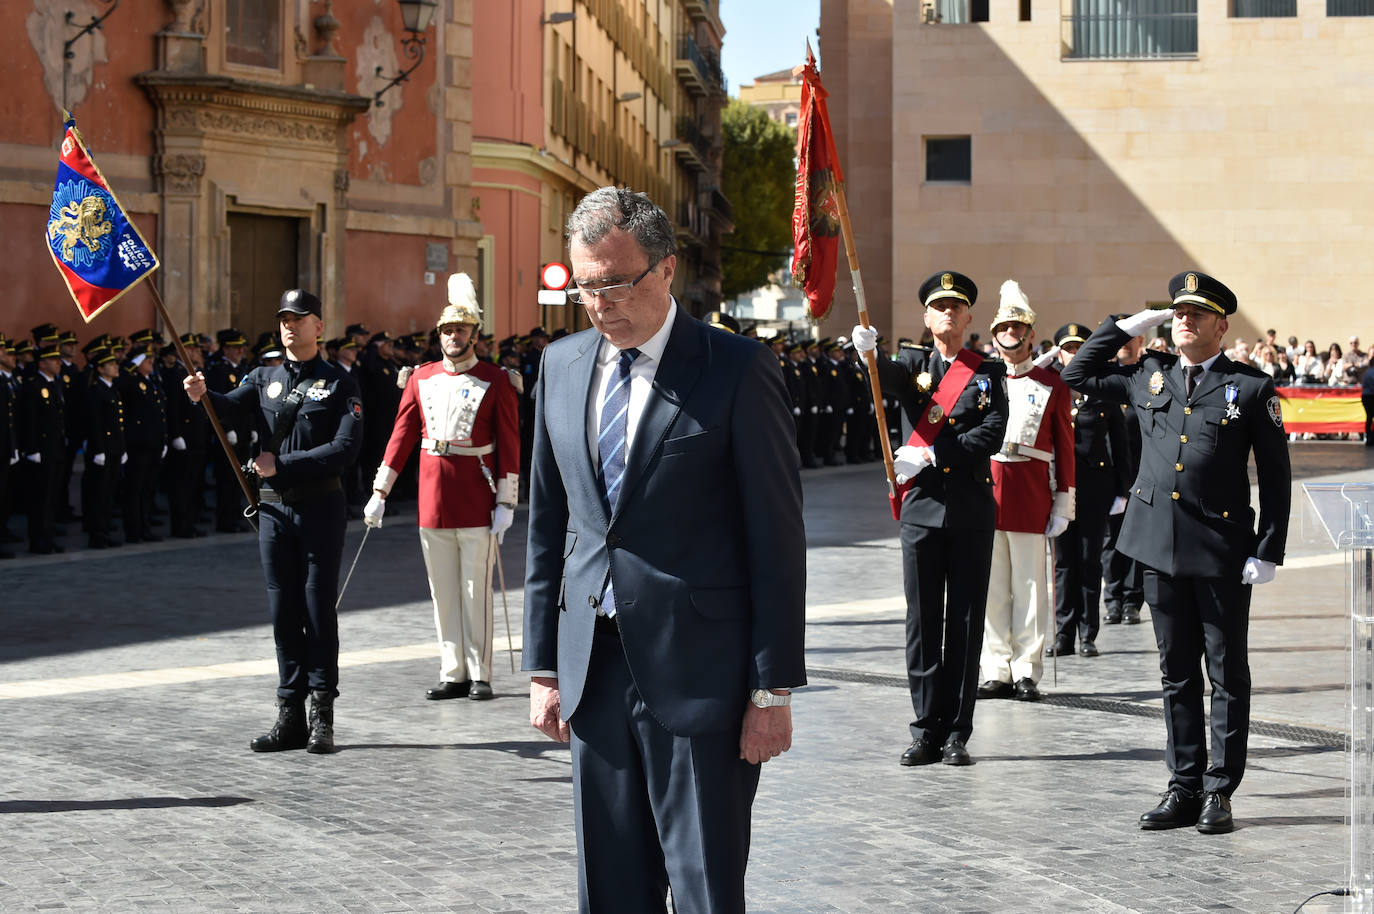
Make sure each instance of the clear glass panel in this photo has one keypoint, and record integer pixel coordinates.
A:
(252, 32)
(1117, 29)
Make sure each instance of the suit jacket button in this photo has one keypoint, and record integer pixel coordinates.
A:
(1178, 468)
(1187, 410)
(946, 469)
(1174, 496)
(591, 601)
(1183, 438)
(612, 539)
(1102, 463)
(1225, 513)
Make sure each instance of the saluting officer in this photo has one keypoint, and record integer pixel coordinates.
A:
(41, 429)
(1123, 592)
(1101, 464)
(308, 414)
(1190, 524)
(104, 447)
(956, 402)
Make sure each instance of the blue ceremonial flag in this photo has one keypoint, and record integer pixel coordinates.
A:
(98, 251)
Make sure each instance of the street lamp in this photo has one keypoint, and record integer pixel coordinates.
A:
(415, 16)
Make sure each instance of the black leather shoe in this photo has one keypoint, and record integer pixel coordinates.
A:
(921, 752)
(1063, 647)
(1131, 615)
(449, 690)
(1215, 818)
(995, 689)
(1113, 617)
(1179, 808)
(1088, 649)
(1026, 690)
(481, 691)
(955, 753)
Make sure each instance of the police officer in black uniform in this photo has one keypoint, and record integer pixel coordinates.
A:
(224, 373)
(1190, 524)
(381, 398)
(1099, 436)
(1123, 590)
(104, 453)
(948, 517)
(9, 447)
(309, 417)
(145, 441)
(40, 425)
(188, 435)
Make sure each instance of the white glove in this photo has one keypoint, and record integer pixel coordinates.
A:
(403, 375)
(98, 460)
(1048, 357)
(1257, 571)
(14, 458)
(796, 410)
(253, 438)
(501, 519)
(813, 410)
(910, 460)
(1141, 321)
(178, 443)
(233, 437)
(829, 410)
(1118, 505)
(865, 339)
(1057, 525)
(123, 459)
(372, 513)
(849, 411)
(34, 457)
(163, 455)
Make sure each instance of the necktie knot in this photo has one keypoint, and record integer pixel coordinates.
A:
(1190, 375)
(627, 358)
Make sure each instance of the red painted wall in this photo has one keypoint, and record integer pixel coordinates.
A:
(386, 283)
(508, 74)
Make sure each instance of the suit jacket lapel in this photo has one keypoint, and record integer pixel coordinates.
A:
(677, 374)
(574, 402)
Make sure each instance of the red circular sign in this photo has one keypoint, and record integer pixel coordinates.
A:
(555, 275)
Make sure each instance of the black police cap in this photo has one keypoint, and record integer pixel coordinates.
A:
(231, 337)
(948, 284)
(1196, 288)
(299, 301)
(357, 330)
(1071, 333)
(722, 321)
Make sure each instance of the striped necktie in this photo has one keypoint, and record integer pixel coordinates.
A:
(615, 413)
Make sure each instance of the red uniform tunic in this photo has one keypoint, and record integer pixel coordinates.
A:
(1039, 425)
(462, 419)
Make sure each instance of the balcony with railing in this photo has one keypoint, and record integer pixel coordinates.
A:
(692, 223)
(692, 146)
(719, 208)
(698, 69)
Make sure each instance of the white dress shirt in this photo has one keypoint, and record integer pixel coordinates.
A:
(642, 374)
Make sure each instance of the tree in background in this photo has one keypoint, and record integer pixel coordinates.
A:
(758, 176)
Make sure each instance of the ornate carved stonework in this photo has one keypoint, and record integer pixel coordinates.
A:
(341, 180)
(180, 172)
(182, 13)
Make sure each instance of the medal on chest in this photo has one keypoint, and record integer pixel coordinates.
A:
(1232, 410)
(274, 390)
(318, 391)
(923, 382)
(984, 393)
(1157, 383)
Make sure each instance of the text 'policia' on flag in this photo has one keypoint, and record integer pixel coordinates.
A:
(98, 251)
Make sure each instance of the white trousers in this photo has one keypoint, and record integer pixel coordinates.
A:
(459, 562)
(1018, 610)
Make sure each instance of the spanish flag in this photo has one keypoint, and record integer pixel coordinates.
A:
(98, 251)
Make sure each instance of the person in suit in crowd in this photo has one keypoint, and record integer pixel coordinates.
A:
(1190, 524)
(956, 402)
(667, 665)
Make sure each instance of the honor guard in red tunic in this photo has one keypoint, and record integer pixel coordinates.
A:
(464, 415)
(1033, 482)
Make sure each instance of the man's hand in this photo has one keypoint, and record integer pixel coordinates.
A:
(233, 437)
(765, 734)
(1049, 356)
(178, 443)
(98, 460)
(1057, 525)
(35, 457)
(265, 464)
(865, 338)
(1118, 505)
(501, 519)
(375, 508)
(1257, 571)
(546, 709)
(910, 460)
(194, 385)
(1141, 321)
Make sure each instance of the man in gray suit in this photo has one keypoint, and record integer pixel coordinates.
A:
(665, 581)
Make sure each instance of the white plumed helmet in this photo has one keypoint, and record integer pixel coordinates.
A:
(462, 303)
(1013, 307)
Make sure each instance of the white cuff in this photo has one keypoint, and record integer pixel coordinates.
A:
(508, 489)
(384, 480)
(1063, 504)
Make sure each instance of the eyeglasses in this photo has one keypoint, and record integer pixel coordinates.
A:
(617, 293)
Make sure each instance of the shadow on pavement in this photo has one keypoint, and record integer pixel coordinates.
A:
(30, 806)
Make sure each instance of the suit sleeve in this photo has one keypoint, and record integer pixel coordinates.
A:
(1118, 442)
(1091, 371)
(405, 434)
(1274, 476)
(548, 532)
(894, 375)
(507, 436)
(768, 474)
(978, 443)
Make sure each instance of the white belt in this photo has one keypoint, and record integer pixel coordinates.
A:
(442, 448)
(1013, 449)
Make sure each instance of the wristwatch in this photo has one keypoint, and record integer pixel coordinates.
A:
(762, 698)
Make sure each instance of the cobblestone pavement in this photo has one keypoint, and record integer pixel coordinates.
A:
(131, 682)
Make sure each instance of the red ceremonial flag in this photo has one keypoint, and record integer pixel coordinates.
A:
(98, 251)
(816, 213)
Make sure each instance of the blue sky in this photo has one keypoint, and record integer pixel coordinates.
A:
(762, 36)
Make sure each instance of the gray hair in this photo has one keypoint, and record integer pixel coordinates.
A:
(619, 207)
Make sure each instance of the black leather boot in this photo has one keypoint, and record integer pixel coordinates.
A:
(289, 732)
(321, 723)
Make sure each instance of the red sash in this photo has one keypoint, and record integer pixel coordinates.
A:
(936, 414)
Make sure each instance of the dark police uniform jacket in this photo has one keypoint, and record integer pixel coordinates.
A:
(328, 429)
(1189, 511)
(221, 378)
(9, 393)
(145, 412)
(39, 419)
(105, 422)
(1103, 462)
(957, 491)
